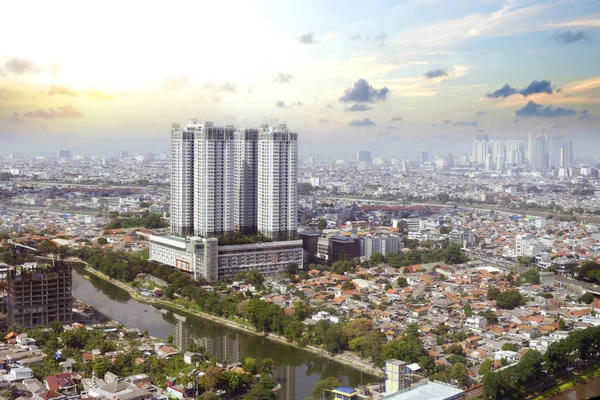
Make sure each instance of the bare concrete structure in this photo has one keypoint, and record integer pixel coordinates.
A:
(38, 295)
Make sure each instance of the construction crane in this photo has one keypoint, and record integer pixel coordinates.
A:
(14, 246)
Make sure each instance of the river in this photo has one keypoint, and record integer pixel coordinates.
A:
(297, 370)
(585, 390)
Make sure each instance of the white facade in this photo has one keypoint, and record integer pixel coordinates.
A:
(213, 179)
(277, 182)
(182, 178)
(203, 257)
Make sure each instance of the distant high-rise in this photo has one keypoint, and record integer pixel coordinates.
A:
(277, 182)
(63, 154)
(423, 157)
(566, 154)
(364, 155)
(554, 147)
(123, 154)
(513, 152)
(539, 153)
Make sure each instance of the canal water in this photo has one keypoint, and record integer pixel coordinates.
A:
(583, 391)
(297, 370)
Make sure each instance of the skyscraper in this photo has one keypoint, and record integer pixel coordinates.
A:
(182, 181)
(245, 197)
(225, 180)
(213, 179)
(423, 157)
(554, 148)
(539, 153)
(566, 154)
(277, 182)
(364, 155)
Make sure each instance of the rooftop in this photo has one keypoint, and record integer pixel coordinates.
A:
(429, 391)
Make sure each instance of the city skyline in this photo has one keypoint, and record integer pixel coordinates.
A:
(384, 76)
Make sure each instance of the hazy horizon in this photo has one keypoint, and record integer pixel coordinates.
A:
(394, 76)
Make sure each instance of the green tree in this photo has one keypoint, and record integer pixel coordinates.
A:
(56, 327)
(322, 224)
(532, 276)
(586, 298)
(509, 347)
(459, 373)
(255, 277)
(509, 299)
(348, 285)
(492, 293)
(410, 349)
(485, 367)
(402, 282)
(468, 310)
(561, 324)
(323, 385)
(376, 259)
(213, 377)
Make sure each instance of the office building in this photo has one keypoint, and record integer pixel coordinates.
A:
(423, 157)
(379, 244)
(123, 154)
(38, 295)
(554, 146)
(363, 156)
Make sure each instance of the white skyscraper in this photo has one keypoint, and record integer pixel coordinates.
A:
(538, 153)
(213, 179)
(554, 148)
(277, 182)
(245, 200)
(566, 154)
(182, 181)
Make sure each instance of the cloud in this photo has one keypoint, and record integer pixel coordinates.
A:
(435, 73)
(307, 38)
(393, 138)
(447, 121)
(358, 107)
(381, 38)
(362, 92)
(324, 121)
(62, 90)
(96, 94)
(585, 115)
(66, 111)
(569, 37)
(175, 82)
(20, 66)
(480, 112)
(533, 88)
(591, 22)
(354, 38)
(392, 128)
(228, 117)
(283, 77)
(228, 87)
(329, 105)
(559, 126)
(15, 117)
(536, 110)
(398, 118)
(465, 123)
(279, 104)
(361, 122)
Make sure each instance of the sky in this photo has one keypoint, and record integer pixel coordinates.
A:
(393, 77)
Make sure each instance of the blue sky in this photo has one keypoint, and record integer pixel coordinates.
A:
(392, 76)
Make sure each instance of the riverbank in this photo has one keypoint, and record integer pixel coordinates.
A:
(346, 359)
(572, 382)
